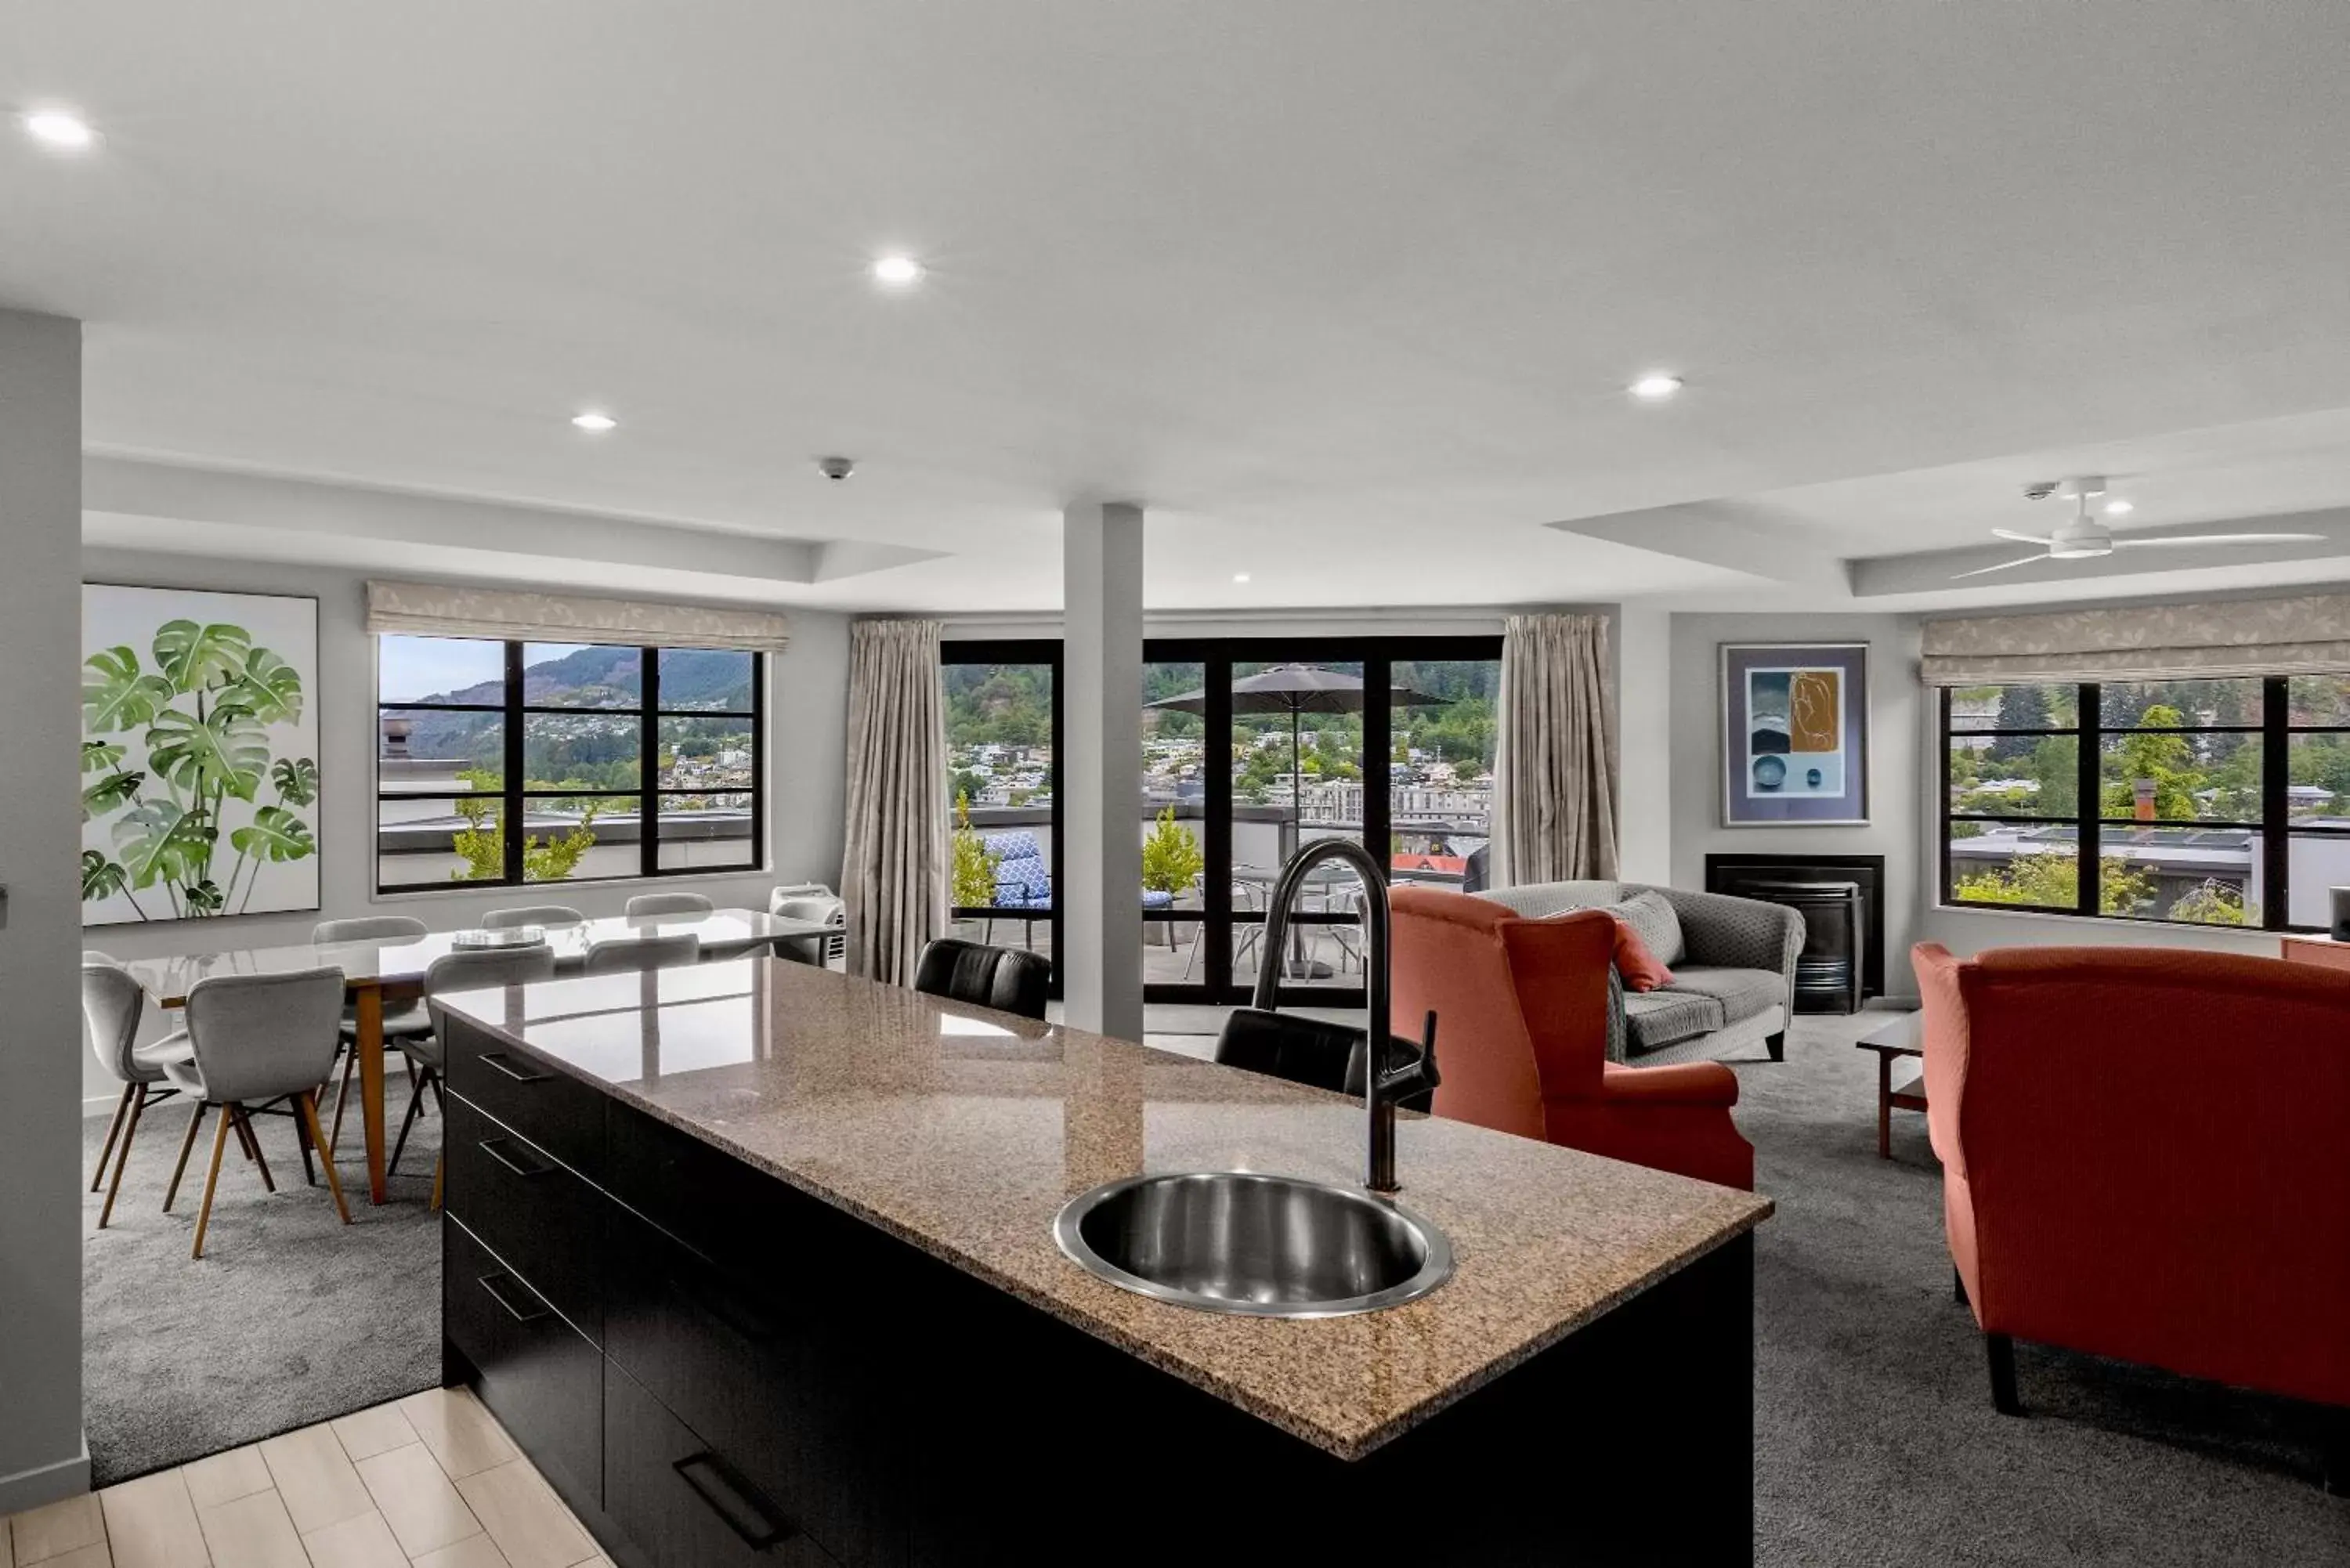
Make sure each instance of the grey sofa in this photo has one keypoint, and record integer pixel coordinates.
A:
(1733, 981)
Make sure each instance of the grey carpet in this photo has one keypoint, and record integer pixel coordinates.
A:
(288, 1319)
(1875, 1439)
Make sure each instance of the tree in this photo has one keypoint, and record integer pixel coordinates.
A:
(2052, 882)
(2056, 764)
(2020, 708)
(2167, 761)
(1172, 858)
(481, 843)
(973, 869)
(2214, 903)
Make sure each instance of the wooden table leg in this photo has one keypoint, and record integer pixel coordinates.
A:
(1885, 1105)
(369, 1046)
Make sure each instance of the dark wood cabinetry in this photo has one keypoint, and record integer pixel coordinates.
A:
(714, 1368)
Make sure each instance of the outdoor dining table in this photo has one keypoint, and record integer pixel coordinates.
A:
(1322, 882)
(377, 973)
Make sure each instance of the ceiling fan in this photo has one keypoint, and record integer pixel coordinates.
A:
(2083, 537)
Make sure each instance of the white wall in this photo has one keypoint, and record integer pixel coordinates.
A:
(1903, 818)
(41, 1452)
(1896, 800)
(807, 708)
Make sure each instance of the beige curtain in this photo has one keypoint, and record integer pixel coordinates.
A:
(445, 609)
(2307, 634)
(893, 878)
(1555, 761)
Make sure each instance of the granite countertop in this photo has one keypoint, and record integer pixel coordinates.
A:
(962, 1131)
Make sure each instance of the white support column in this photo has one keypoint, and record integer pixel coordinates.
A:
(1099, 882)
(1643, 652)
(42, 1455)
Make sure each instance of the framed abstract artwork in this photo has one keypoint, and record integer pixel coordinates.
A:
(1794, 735)
(199, 753)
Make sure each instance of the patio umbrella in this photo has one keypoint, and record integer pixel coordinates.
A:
(1295, 689)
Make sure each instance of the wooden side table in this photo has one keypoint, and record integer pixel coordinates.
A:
(2321, 951)
(1905, 1036)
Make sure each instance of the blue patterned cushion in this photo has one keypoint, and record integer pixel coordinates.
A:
(1021, 880)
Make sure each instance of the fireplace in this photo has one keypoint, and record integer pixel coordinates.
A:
(1841, 900)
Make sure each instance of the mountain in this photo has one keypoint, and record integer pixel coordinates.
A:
(585, 677)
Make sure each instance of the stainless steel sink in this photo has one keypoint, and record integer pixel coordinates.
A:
(1269, 1246)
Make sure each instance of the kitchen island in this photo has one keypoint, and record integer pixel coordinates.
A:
(756, 1263)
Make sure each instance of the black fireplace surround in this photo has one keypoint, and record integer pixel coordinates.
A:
(1753, 876)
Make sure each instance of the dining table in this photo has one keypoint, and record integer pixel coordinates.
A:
(390, 971)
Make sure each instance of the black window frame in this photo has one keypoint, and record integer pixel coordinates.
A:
(1216, 656)
(513, 792)
(2274, 828)
(1046, 652)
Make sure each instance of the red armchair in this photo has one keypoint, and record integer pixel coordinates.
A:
(1522, 1039)
(2142, 1157)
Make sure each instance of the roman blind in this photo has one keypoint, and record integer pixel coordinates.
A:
(440, 610)
(2306, 635)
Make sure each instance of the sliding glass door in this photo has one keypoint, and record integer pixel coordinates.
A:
(1003, 731)
(1250, 748)
(1255, 747)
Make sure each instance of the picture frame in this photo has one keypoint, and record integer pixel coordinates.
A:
(1794, 735)
(200, 786)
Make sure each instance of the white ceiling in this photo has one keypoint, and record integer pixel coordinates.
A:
(1343, 291)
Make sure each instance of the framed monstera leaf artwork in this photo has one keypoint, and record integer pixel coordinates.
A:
(199, 755)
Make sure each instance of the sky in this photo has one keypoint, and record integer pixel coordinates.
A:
(410, 669)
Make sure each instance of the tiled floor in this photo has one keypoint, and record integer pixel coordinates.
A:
(429, 1481)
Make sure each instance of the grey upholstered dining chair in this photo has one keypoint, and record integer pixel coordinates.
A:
(112, 1007)
(532, 915)
(399, 1023)
(670, 904)
(615, 955)
(476, 971)
(255, 1039)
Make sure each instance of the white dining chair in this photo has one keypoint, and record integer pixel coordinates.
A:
(400, 1024)
(532, 915)
(618, 955)
(255, 1039)
(447, 974)
(112, 1007)
(669, 904)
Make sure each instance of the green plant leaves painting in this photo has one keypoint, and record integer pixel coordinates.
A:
(115, 693)
(223, 751)
(277, 833)
(199, 763)
(193, 657)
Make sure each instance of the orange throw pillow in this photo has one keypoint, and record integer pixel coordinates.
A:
(1634, 963)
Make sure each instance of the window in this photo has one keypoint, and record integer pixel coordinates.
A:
(1004, 723)
(2207, 801)
(1249, 747)
(613, 762)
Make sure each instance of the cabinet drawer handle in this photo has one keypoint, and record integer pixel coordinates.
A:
(499, 1286)
(732, 1499)
(499, 1061)
(495, 1148)
(722, 1307)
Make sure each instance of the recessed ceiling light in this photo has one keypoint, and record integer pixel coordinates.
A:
(2118, 508)
(1240, 576)
(55, 128)
(597, 422)
(1656, 387)
(897, 271)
